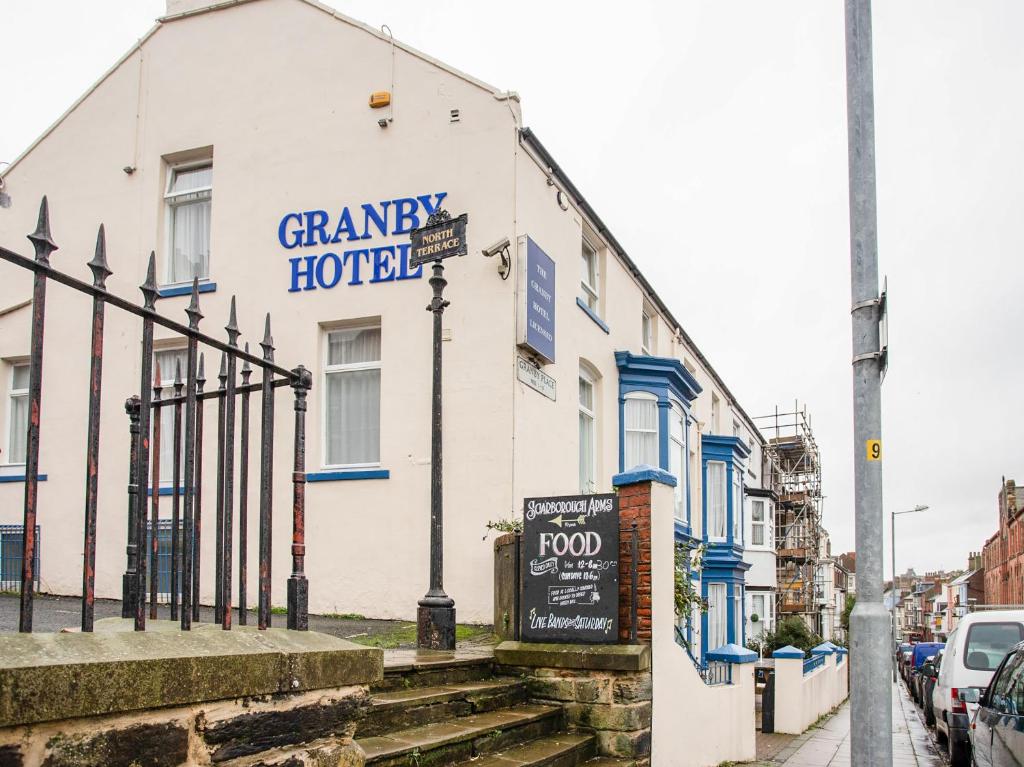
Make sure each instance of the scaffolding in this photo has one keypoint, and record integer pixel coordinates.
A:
(794, 462)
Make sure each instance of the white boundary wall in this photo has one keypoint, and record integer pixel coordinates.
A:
(693, 725)
(801, 699)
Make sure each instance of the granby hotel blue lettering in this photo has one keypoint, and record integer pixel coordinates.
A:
(341, 238)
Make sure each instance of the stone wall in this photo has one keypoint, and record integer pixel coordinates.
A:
(164, 697)
(286, 730)
(604, 689)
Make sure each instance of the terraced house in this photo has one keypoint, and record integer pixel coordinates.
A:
(291, 183)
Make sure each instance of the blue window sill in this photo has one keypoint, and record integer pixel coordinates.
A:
(347, 474)
(20, 477)
(590, 313)
(166, 490)
(184, 290)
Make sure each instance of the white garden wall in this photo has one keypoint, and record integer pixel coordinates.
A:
(694, 725)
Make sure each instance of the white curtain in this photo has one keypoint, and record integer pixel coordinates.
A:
(641, 417)
(353, 417)
(716, 499)
(737, 508)
(717, 620)
(190, 238)
(737, 603)
(353, 396)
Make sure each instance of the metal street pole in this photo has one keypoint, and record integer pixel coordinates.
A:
(895, 638)
(870, 691)
(442, 237)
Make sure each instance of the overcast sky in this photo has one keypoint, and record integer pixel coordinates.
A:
(711, 138)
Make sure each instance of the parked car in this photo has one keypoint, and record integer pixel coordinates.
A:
(973, 652)
(921, 652)
(905, 659)
(997, 733)
(929, 674)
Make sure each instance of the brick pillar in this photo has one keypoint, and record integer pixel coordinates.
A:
(635, 506)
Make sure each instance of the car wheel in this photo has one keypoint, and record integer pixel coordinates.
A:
(940, 736)
(929, 718)
(959, 753)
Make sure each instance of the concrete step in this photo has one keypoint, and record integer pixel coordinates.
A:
(402, 709)
(428, 672)
(462, 738)
(559, 750)
(612, 761)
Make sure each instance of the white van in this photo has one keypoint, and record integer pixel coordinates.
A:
(973, 653)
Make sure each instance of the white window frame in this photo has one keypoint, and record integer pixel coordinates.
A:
(351, 367)
(591, 292)
(678, 445)
(591, 413)
(169, 204)
(11, 394)
(718, 601)
(737, 506)
(755, 524)
(646, 331)
(167, 435)
(640, 396)
(725, 502)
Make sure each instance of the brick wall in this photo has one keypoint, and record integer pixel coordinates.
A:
(635, 506)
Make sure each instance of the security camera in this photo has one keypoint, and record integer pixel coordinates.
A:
(500, 248)
(497, 247)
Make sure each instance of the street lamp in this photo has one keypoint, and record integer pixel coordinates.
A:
(895, 643)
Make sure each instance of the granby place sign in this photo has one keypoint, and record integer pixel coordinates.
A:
(346, 253)
(570, 570)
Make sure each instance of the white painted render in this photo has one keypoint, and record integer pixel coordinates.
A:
(275, 92)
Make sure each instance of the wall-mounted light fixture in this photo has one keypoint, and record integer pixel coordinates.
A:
(501, 248)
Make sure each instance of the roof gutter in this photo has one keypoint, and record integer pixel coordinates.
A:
(528, 137)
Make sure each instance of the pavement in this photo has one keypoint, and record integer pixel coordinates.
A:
(55, 613)
(828, 744)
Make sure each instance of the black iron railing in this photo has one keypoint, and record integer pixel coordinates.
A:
(143, 408)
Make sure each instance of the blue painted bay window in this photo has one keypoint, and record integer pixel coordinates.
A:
(654, 414)
(722, 465)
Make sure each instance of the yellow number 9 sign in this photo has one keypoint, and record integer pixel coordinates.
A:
(874, 449)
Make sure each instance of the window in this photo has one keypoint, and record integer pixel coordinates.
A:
(717, 612)
(646, 332)
(716, 407)
(737, 508)
(677, 457)
(716, 491)
(735, 429)
(641, 427)
(17, 414)
(188, 197)
(987, 643)
(587, 434)
(589, 276)
(737, 618)
(757, 608)
(352, 392)
(757, 525)
(165, 369)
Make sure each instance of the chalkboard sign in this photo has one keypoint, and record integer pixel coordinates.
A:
(570, 569)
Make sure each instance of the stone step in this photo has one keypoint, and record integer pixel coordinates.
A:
(463, 738)
(402, 709)
(559, 750)
(420, 672)
(613, 761)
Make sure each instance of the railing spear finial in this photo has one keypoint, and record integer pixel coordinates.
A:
(149, 288)
(194, 315)
(40, 238)
(98, 265)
